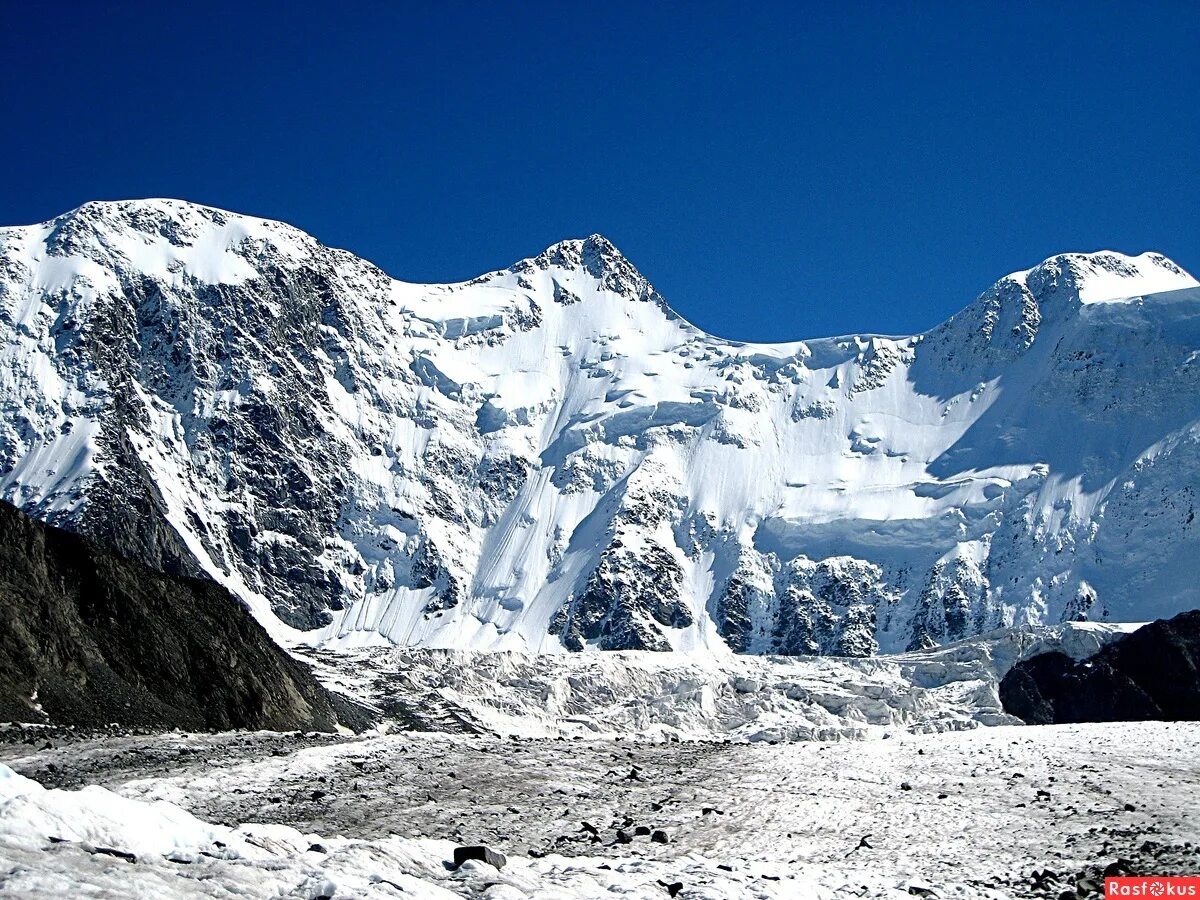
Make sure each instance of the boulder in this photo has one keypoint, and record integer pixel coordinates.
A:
(479, 853)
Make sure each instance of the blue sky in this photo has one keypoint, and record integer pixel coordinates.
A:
(778, 170)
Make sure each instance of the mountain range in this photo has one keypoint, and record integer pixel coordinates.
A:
(549, 457)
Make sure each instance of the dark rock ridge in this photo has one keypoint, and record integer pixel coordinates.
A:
(1153, 673)
(88, 638)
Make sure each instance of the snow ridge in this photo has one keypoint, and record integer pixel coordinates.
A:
(548, 457)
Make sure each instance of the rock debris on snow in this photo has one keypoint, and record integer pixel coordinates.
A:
(803, 803)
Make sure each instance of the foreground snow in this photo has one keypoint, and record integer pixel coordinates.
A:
(966, 814)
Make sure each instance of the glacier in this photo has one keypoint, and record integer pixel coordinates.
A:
(548, 457)
(966, 814)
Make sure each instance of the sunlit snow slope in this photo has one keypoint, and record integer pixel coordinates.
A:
(548, 456)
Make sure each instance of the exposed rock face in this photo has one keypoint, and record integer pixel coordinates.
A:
(1153, 673)
(804, 606)
(88, 638)
(954, 604)
(549, 456)
(627, 602)
(829, 607)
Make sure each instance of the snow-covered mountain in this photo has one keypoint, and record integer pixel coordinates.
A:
(548, 456)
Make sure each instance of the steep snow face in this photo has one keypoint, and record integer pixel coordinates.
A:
(548, 457)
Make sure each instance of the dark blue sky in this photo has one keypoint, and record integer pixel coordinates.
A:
(778, 170)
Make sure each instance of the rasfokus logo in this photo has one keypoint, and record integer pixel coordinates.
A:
(1152, 886)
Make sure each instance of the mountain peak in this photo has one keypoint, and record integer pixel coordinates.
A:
(143, 214)
(537, 459)
(1102, 277)
(161, 236)
(592, 253)
(598, 243)
(1005, 320)
(598, 257)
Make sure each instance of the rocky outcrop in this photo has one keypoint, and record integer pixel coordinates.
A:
(803, 607)
(88, 638)
(1153, 673)
(628, 601)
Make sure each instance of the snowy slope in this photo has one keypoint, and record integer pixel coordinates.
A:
(548, 456)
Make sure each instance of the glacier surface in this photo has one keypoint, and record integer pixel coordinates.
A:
(960, 815)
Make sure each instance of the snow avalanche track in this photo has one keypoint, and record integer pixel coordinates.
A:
(549, 457)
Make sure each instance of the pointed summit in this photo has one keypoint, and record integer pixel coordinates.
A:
(599, 252)
(594, 254)
(598, 257)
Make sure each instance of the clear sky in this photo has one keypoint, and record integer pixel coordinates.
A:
(779, 170)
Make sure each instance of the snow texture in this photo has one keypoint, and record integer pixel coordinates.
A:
(548, 457)
(696, 696)
(965, 814)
